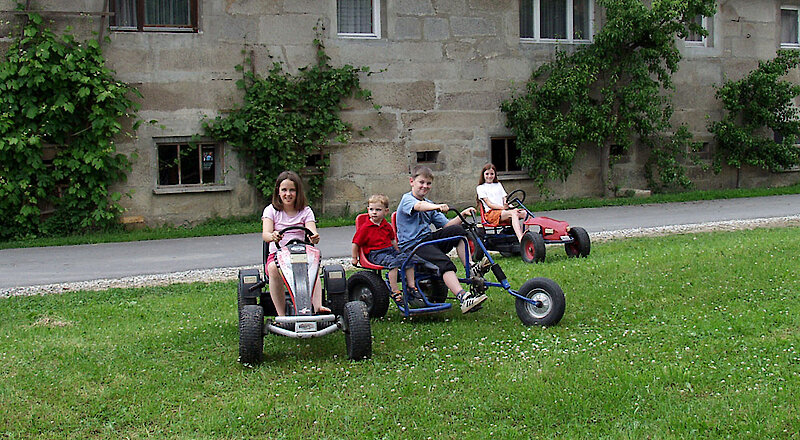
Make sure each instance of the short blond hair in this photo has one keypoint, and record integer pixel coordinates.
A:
(379, 198)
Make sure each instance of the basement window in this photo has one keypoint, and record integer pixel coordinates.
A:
(427, 156)
(504, 154)
(188, 166)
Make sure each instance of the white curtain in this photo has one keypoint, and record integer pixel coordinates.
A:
(553, 19)
(789, 26)
(526, 19)
(580, 19)
(354, 16)
(125, 13)
(167, 12)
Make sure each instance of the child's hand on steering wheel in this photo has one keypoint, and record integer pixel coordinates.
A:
(468, 211)
(314, 238)
(276, 236)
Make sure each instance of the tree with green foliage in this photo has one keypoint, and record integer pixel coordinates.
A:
(756, 107)
(56, 92)
(287, 119)
(612, 92)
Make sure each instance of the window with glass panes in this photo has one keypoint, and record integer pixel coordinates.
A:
(563, 20)
(504, 154)
(789, 26)
(358, 18)
(189, 163)
(154, 15)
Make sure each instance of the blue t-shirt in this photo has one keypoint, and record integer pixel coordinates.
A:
(413, 227)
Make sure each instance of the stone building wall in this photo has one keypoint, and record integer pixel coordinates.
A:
(445, 66)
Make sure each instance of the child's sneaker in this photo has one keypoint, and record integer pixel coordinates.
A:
(470, 303)
(480, 268)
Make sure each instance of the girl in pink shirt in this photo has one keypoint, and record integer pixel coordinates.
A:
(288, 208)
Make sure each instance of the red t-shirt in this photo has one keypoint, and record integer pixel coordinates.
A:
(371, 236)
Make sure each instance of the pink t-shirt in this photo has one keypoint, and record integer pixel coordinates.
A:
(282, 220)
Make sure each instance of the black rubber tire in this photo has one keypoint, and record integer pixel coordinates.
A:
(507, 254)
(368, 287)
(475, 251)
(241, 290)
(251, 334)
(358, 335)
(435, 289)
(553, 302)
(531, 248)
(336, 303)
(582, 244)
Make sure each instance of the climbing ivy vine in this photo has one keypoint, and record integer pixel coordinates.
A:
(287, 120)
(757, 106)
(612, 92)
(60, 109)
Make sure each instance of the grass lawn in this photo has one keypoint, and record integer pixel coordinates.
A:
(689, 336)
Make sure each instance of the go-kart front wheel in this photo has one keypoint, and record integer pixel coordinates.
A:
(548, 306)
(532, 248)
(357, 333)
(580, 246)
(251, 334)
(369, 288)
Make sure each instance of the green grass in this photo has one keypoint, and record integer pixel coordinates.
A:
(688, 336)
(246, 225)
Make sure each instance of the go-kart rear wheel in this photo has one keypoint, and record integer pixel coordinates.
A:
(357, 333)
(368, 287)
(550, 302)
(581, 246)
(531, 247)
(251, 334)
(434, 289)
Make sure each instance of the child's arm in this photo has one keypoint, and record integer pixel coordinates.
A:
(268, 232)
(493, 205)
(312, 226)
(457, 220)
(354, 254)
(423, 206)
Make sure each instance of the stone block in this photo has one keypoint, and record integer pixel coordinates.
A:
(418, 95)
(469, 101)
(407, 28)
(414, 7)
(472, 26)
(435, 29)
(306, 7)
(449, 7)
(252, 7)
(287, 29)
(384, 126)
(188, 95)
(452, 120)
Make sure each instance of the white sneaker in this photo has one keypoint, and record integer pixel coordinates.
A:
(480, 268)
(469, 302)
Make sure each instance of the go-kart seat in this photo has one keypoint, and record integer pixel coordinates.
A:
(361, 221)
(486, 223)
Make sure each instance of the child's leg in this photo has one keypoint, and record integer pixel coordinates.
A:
(276, 288)
(410, 280)
(316, 298)
(393, 279)
(515, 223)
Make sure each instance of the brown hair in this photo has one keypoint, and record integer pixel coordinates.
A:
(421, 170)
(482, 180)
(379, 198)
(300, 197)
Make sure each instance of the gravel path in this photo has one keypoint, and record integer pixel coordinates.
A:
(230, 273)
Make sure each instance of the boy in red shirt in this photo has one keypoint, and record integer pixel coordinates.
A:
(379, 242)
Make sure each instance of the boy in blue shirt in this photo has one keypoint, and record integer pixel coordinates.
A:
(415, 214)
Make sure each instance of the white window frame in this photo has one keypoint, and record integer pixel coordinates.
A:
(376, 24)
(780, 27)
(537, 15)
(703, 41)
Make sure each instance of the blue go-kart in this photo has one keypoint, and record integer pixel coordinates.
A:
(539, 301)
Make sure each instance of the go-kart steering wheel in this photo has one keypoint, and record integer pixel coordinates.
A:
(306, 240)
(517, 196)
